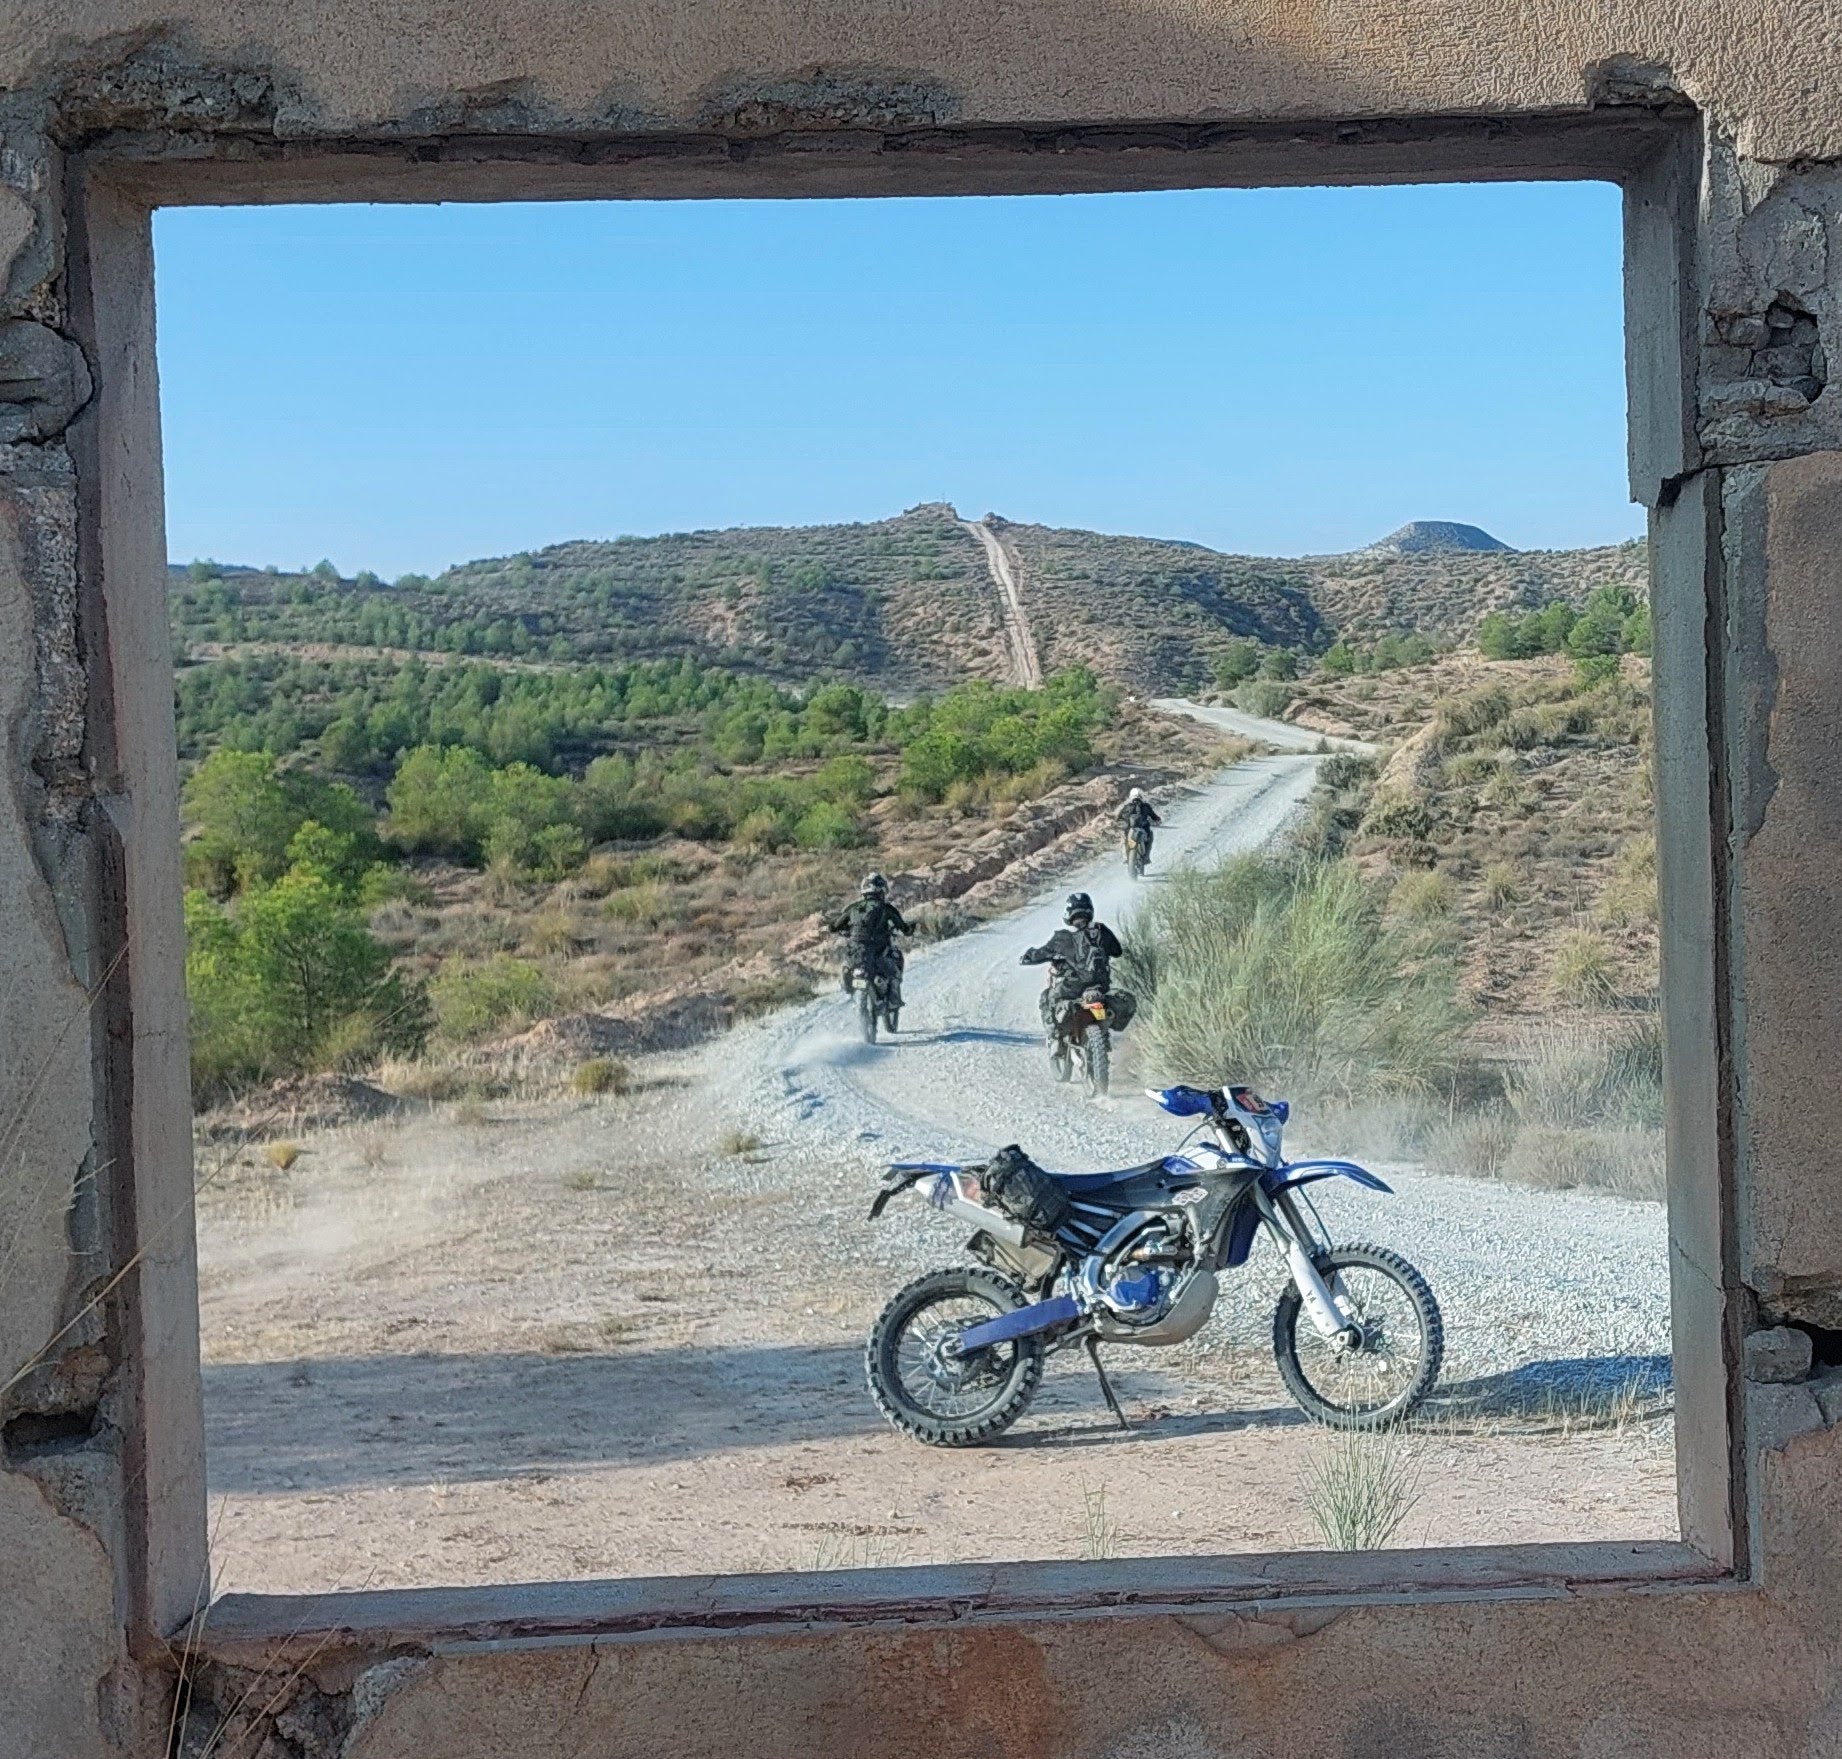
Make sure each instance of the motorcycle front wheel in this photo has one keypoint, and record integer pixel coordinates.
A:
(1061, 1059)
(926, 1389)
(1383, 1371)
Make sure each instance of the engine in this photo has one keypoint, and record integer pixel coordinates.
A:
(1148, 1288)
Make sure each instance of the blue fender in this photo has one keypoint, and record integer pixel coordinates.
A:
(1308, 1172)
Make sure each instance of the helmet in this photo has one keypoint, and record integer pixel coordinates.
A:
(1136, 794)
(1079, 904)
(874, 885)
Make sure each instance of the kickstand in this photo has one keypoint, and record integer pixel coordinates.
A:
(1106, 1386)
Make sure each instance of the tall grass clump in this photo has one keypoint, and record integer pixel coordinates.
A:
(1268, 969)
(1359, 1488)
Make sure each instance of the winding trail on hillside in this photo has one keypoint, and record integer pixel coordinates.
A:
(1026, 667)
(1282, 735)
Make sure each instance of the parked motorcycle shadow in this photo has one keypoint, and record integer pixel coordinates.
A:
(1150, 1427)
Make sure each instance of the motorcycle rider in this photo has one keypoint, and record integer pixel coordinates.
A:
(870, 923)
(1082, 954)
(1138, 814)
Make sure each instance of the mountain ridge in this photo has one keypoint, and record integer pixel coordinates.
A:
(906, 603)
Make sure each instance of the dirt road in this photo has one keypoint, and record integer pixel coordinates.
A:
(1026, 667)
(624, 1337)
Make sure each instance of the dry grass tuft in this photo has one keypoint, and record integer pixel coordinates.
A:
(281, 1155)
(1360, 1487)
(601, 1075)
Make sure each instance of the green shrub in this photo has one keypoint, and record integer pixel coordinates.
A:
(601, 1075)
(1425, 895)
(1502, 884)
(288, 979)
(826, 825)
(471, 1000)
(1267, 970)
(1583, 971)
(1267, 697)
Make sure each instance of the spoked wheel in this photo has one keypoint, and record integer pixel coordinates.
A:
(891, 1015)
(1061, 1059)
(1379, 1370)
(866, 1011)
(1096, 1061)
(920, 1382)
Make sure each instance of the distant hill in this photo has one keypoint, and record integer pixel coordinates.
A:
(905, 604)
(1418, 536)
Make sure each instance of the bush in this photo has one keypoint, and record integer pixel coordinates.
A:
(827, 825)
(978, 732)
(601, 1075)
(1502, 885)
(471, 1000)
(1266, 969)
(1583, 972)
(1269, 698)
(1424, 895)
(288, 979)
(1464, 717)
(1629, 898)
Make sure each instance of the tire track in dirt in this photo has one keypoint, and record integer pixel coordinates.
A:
(1026, 667)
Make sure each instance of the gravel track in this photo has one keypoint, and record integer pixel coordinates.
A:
(1544, 1286)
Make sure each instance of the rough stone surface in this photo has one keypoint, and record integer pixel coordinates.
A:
(1734, 300)
(43, 381)
(1779, 1355)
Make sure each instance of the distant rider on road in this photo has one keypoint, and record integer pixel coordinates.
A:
(870, 923)
(1082, 955)
(1138, 814)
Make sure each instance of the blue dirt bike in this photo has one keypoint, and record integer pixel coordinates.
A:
(1134, 1257)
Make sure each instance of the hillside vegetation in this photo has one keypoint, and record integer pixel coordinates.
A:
(901, 604)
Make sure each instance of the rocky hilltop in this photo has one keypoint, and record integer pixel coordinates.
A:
(1419, 536)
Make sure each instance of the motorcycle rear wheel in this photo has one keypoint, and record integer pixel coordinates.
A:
(1096, 1061)
(927, 1393)
(1384, 1380)
(866, 1011)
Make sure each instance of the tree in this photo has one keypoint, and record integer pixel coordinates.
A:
(288, 979)
(1280, 663)
(243, 816)
(437, 801)
(1339, 659)
(1637, 633)
(1240, 660)
(1499, 637)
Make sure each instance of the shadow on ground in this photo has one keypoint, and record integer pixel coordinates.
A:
(344, 1422)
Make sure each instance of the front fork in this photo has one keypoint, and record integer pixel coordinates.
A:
(1296, 1239)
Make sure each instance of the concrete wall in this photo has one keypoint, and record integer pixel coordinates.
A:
(1725, 124)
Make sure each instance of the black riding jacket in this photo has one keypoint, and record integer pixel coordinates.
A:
(1083, 957)
(1139, 815)
(869, 922)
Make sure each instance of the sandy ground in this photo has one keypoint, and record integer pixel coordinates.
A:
(624, 1337)
(581, 1340)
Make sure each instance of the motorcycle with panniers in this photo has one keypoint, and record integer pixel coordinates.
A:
(1136, 1257)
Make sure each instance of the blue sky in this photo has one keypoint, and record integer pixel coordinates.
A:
(1270, 371)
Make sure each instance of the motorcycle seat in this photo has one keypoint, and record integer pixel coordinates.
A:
(1101, 1181)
